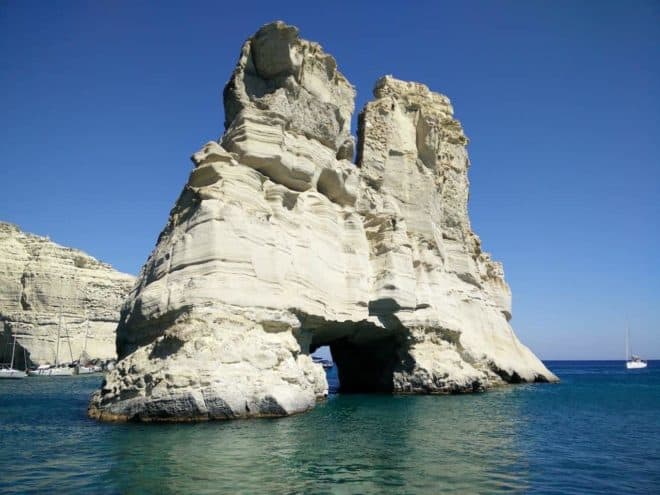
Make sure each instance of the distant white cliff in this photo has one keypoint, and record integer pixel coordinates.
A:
(46, 288)
(279, 244)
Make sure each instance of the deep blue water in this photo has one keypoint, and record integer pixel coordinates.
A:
(598, 431)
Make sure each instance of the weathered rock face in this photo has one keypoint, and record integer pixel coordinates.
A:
(41, 280)
(279, 244)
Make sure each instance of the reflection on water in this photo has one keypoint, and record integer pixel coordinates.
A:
(516, 440)
(356, 443)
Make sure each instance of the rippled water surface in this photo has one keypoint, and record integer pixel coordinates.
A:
(596, 432)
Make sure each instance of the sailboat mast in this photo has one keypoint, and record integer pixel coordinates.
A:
(57, 349)
(627, 342)
(86, 331)
(68, 341)
(13, 351)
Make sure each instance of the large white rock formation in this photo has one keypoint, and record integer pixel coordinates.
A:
(279, 244)
(45, 287)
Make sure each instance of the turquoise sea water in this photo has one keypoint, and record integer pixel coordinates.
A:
(598, 431)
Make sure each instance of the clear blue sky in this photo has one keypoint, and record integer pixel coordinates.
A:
(102, 103)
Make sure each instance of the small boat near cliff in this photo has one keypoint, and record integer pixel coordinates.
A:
(633, 362)
(87, 369)
(84, 366)
(47, 370)
(58, 369)
(10, 372)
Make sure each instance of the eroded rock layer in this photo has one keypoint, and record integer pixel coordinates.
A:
(46, 288)
(279, 244)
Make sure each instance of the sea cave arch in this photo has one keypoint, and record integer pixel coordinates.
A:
(367, 355)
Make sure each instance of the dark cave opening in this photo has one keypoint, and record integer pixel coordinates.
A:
(366, 367)
(366, 356)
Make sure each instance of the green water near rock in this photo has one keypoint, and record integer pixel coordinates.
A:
(596, 432)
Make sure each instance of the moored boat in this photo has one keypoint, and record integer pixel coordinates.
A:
(10, 372)
(88, 369)
(46, 370)
(84, 366)
(58, 369)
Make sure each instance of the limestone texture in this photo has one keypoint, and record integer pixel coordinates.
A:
(280, 244)
(43, 283)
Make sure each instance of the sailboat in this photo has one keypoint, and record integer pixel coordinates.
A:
(632, 362)
(11, 372)
(58, 369)
(84, 367)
